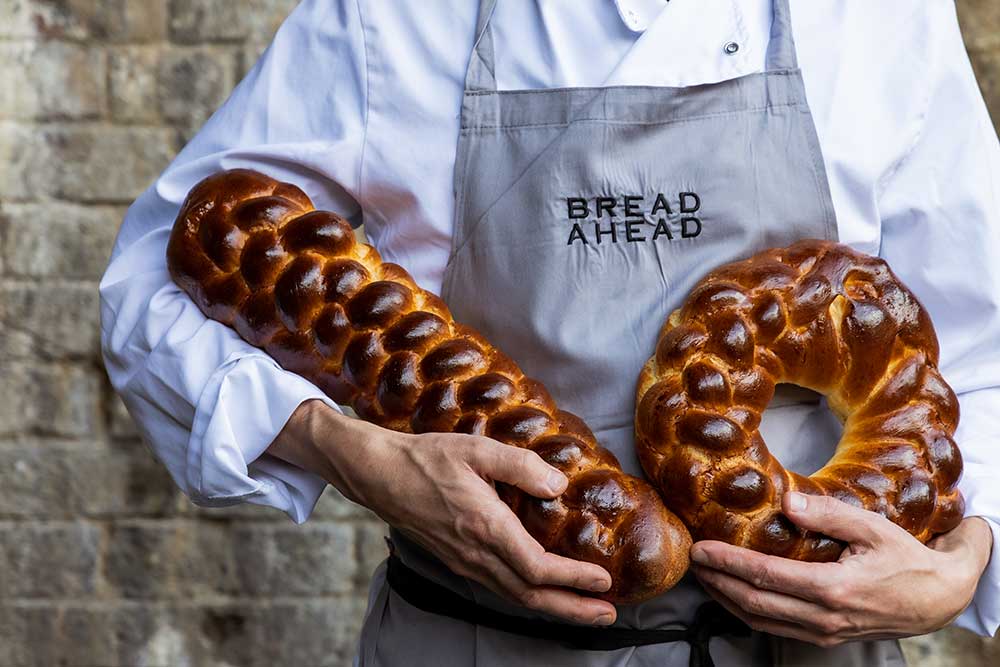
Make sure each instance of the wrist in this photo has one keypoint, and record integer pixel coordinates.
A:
(967, 547)
(977, 538)
(297, 443)
(346, 452)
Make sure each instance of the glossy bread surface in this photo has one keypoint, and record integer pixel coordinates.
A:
(822, 316)
(254, 254)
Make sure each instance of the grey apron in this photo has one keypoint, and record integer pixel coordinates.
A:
(583, 217)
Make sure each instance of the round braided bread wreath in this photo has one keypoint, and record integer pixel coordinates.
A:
(822, 316)
(252, 253)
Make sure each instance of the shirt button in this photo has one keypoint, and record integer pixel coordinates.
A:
(731, 48)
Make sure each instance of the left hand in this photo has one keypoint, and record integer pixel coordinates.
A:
(885, 585)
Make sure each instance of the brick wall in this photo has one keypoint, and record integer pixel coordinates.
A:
(102, 561)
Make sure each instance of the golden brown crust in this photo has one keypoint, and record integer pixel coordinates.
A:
(825, 317)
(254, 254)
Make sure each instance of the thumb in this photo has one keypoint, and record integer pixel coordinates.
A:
(836, 518)
(518, 467)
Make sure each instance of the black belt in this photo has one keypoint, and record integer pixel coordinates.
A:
(711, 620)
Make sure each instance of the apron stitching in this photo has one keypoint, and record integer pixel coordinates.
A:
(368, 103)
(818, 169)
(459, 234)
(564, 89)
(376, 631)
(675, 121)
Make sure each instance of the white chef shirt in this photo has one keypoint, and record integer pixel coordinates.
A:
(358, 104)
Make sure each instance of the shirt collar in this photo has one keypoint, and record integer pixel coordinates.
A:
(639, 14)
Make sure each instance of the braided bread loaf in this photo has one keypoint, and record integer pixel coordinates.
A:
(825, 317)
(254, 254)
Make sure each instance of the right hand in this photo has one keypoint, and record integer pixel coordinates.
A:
(437, 488)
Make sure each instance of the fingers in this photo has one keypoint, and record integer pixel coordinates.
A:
(757, 601)
(518, 467)
(491, 571)
(554, 601)
(837, 519)
(495, 527)
(539, 567)
(810, 581)
(771, 626)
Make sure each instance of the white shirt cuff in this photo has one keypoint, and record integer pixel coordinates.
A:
(243, 407)
(982, 498)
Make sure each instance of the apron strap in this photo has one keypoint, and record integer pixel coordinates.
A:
(481, 73)
(711, 620)
(781, 47)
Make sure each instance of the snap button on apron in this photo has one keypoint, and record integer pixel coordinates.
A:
(732, 47)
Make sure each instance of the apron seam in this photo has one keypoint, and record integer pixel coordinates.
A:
(459, 233)
(820, 178)
(675, 121)
(563, 89)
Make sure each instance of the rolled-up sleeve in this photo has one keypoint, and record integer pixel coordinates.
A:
(208, 403)
(941, 234)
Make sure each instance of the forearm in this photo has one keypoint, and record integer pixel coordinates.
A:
(325, 442)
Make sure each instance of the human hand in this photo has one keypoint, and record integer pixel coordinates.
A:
(437, 488)
(886, 584)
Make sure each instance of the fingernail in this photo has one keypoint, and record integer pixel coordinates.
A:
(557, 481)
(797, 501)
(698, 555)
(599, 585)
(605, 619)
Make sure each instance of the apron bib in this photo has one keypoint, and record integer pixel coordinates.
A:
(583, 217)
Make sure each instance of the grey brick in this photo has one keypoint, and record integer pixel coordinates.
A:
(221, 634)
(86, 162)
(86, 635)
(951, 646)
(56, 239)
(249, 54)
(987, 67)
(48, 399)
(180, 85)
(312, 559)
(980, 21)
(372, 550)
(58, 321)
(106, 20)
(32, 482)
(325, 633)
(132, 73)
(25, 169)
(44, 480)
(192, 84)
(119, 483)
(316, 633)
(135, 565)
(170, 560)
(195, 21)
(49, 561)
(100, 163)
(28, 635)
(45, 80)
(122, 426)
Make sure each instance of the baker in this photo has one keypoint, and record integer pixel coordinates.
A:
(458, 137)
